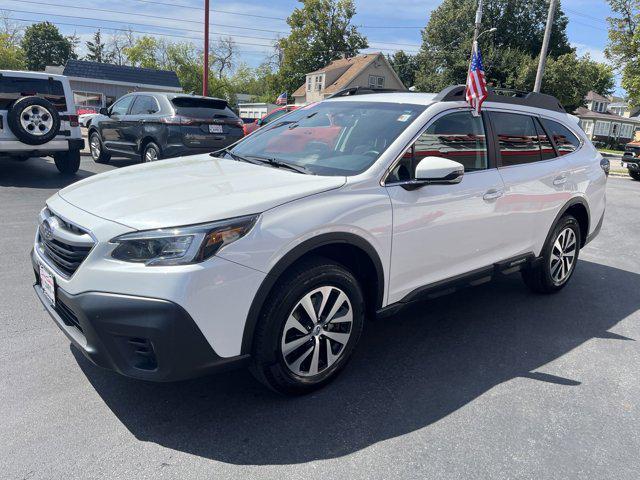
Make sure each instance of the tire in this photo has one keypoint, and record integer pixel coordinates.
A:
(635, 175)
(151, 153)
(98, 152)
(547, 275)
(67, 163)
(293, 372)
(33, 120)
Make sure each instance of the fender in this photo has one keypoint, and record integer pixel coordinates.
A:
(296, 254)
(563, 210)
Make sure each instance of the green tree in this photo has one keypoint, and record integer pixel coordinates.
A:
(406, 66)
(446, 45)
(321, 31)
(11, 55)
(43, 45)
(567, 77)
(143, 53)
(624, 44)
(97, 50)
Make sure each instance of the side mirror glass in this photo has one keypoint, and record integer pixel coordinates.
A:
(438, 171)
(104, 111)
(259, 122)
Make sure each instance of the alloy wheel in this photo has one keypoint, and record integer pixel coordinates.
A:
(36, 120)
(150, 155)
(563, 256)
(317, 331)
(94, 145)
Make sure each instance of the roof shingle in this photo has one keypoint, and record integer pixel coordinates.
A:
(121, 73)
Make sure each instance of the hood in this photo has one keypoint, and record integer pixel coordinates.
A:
(190, 190)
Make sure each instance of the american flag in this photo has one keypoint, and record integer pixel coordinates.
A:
(476, 83)
(282, 99)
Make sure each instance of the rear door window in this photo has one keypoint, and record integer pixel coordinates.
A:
(546, 147)
(518, 139)
(144, 105)
(566, 142)
(13, 88)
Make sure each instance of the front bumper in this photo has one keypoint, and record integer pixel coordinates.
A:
(139, 337)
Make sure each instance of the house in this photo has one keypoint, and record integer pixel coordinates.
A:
(100, 84)
(609, 123)
(369, 70)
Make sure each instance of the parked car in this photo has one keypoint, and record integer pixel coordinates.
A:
(152, 126)
(276, 252)
(38, 118)
(270, 117)
(86, 114)
(631, 158)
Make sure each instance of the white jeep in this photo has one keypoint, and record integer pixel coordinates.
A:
(38, 118)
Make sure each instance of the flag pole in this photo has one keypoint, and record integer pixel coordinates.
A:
(476, 30)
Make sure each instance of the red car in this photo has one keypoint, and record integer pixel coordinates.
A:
(268, 118)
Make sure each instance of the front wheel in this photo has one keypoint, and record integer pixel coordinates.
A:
(558, 260)
(309, 327)
(98, 152)
(67, 163)
(635, 174)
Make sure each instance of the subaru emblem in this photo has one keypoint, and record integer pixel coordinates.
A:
(46, 230)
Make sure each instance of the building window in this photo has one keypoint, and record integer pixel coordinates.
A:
(87, 99)
(318, 83)
(602, 128)
(309, 84)
(376, 81)
(626, 130)
(587, 126)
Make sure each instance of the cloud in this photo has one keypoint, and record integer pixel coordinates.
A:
(595, 53)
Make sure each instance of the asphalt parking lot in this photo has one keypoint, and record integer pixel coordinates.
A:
(489, 383)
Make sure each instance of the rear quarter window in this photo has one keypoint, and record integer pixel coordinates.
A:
(13, 88)
(565, 140)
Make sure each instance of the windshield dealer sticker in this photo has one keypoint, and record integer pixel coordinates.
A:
(404, 117)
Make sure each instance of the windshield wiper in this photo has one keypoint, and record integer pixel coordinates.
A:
(274, 162)
(235, 156)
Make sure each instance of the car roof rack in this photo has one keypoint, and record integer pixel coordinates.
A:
(503, 95)
(347, 92)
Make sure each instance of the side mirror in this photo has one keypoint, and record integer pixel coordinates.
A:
(104, 111)
(438, 171)
(259, 122)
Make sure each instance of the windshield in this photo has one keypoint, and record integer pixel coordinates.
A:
(331, 138)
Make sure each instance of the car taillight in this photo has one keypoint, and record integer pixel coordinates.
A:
(178, 120)
(73, 120)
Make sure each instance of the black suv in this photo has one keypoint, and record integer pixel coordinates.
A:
(152, 126)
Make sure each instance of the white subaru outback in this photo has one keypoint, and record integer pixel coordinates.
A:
(273, 253)
(38, 118)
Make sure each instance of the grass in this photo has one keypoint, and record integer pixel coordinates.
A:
(614, 152)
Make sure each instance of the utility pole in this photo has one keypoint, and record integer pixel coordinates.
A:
(476, 30)
(545, 46)
(205, 71)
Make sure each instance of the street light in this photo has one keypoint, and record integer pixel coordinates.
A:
(491, 30)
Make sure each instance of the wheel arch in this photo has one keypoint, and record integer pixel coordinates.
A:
(579, 208)
(351, 250)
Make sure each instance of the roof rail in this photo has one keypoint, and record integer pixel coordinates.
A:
(502, 95)
(347, 92)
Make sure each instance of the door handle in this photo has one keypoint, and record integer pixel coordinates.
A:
(492, 194)
(560, 180)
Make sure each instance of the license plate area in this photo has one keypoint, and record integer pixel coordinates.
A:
(216, 129)
(48, 284)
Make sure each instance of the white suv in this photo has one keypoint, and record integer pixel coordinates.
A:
(38, 118)
(274, 252)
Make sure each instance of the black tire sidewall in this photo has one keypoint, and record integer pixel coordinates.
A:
(104, 156)
(13, 120)
(635, 175)
(564, 222)
(285, 297)
(67, 163)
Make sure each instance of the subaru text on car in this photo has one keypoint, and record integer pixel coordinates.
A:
(275, 253)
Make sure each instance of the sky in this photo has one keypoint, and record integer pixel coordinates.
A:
(389, 25)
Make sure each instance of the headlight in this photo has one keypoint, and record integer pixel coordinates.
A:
(180, 245)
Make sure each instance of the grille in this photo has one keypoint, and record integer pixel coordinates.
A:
(65, 245)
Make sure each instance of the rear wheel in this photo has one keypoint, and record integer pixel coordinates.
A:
(558, 260)
(309, 327)
(67, 163)
(635, 175)
(151, 153)
(98, 152)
